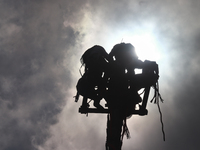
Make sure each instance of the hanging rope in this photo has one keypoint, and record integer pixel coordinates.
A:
(125, 130)
(161, 120)
(156, 99)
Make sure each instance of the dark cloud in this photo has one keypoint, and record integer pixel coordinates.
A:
(33, 77)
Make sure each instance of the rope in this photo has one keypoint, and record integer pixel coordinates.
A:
(125, 130)
(163, 132)
(89, 101)
(156, 98)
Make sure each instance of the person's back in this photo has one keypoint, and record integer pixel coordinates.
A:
(122, 62)
(92, 83)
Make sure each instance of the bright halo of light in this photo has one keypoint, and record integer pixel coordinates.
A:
(145, 46)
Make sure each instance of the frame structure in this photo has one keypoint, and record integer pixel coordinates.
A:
(84, 109)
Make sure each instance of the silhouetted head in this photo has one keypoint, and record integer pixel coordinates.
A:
(123, 52)
(94, 56)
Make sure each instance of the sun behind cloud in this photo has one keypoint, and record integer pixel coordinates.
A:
(145, 45)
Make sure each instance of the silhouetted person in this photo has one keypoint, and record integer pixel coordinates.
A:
(92, 83)
(122, 94)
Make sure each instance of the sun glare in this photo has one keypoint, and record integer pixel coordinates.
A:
(145, 46)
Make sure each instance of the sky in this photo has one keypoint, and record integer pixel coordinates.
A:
(41, 42)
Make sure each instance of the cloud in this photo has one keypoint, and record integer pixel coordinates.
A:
(34, 79)
(40, 46)
(176, 28)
